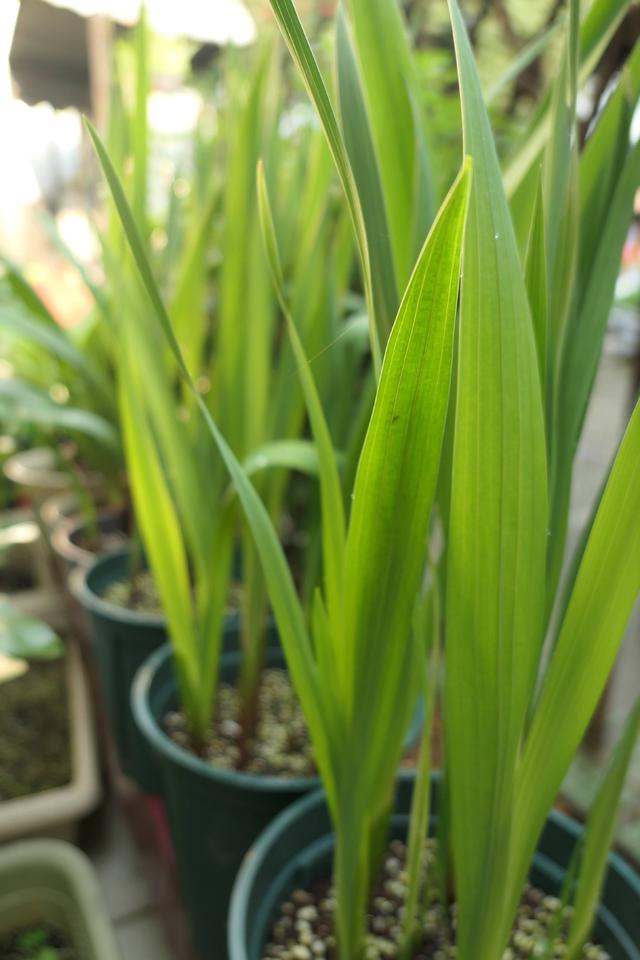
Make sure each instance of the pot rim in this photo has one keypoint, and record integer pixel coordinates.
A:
(35, 468)
(73, 868)
(150, 728)
(252, 863)
(80, 581)
(65, 528)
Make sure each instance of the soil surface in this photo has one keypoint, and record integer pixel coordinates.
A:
(37, 942)
(140, 593)
(281, 745)
(105, 543)
(135, 593)
(34, 726)
(304, 929)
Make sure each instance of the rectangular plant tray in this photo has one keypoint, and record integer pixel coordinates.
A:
(56, 812)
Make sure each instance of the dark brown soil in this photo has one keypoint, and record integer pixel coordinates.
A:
(281, 745)
(304, 929)
(13, 581)
(105, 543)
(34, 732)
(37, 942)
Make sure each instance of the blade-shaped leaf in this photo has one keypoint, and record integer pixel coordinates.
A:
(386, 556)
(24, 292)
(582, 351)
(603, 596)
(300, 455)
(333, 521)
(139, 125)
(396, 480)
(357, 136)
(56, 342)
(603, 159)
(301, 51)
(497, 536)
(537, 284)
(136, 244)
(24, 637)
(164, 544)
(427, 626)
(28, 404)
(384, 57)
(598, 836)
(286, 606)
(596, 29)
(525, 58)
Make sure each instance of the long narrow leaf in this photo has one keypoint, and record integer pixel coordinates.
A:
(582, 351)
(537, 285)
(396, 480)
(25, 292)
(497, 537)
(386, 556)
(598, 836)
(357, 137)
(596, 29)
(300, 49)
(384, 58)
(28, 404)
(603, 596)
(333, 521)
(286, 606)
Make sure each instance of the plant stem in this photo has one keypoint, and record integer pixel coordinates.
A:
(420, 804)
(253, 639)
(351, 869)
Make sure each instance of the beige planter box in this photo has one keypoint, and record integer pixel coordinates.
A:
(46, 881)
(55, 813)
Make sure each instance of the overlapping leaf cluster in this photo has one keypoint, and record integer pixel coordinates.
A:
(496, 451)
(228, 330)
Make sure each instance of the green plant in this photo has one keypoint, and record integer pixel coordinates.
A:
(362, 667)
(58, 382)
(514, 716)
(502, 699)
(245, 375)
(23, 639)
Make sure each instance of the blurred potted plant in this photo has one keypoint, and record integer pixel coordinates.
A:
(50, 904)
(61, 382)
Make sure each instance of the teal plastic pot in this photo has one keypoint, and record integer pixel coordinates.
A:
(214, 815)
(122, 640)
(297, 849)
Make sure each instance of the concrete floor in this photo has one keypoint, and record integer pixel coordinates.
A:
(137, 918)
(603, 428)
(127, 895)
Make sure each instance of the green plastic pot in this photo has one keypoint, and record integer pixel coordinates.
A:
(122, 640)
(48, 881)
(297, 849)
(214, 815)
